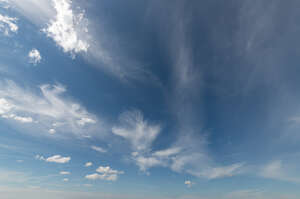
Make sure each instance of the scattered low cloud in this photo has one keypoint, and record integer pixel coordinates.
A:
(104, 173)
(189, 183)
(64, 173)
(8, 25)
(88, 164)
(68, 29)
(56, 159)
(34, 56)
(52, 131)
(99, 149)
(66, 179)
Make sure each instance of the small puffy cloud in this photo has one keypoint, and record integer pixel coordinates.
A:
(56, 159)
(8, 25)
(188, 183)
(34, 56)
(66, 179)
(105, 173)
(88, 164)
(99, 149)
(52, 131)
(64, 173)
(68, 29)
(20, 161)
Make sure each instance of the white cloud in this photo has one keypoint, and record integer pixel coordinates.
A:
(48, 111)
(64, 173)
(39, 157)
(17, 118)
(99, 149)
(276, 170)
(34, 56)
(147, 162)
(136, 130)
(105, 173)
(52, 131)
(219, 172)
(68, 29)
(186, 155)
(167, 152)
(66, 179)
(188, 183)
(83, 121)
(88, 164)
(37, 11)
(8, 25)
(56, 159)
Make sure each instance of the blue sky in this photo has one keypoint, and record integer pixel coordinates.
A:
(149, 99)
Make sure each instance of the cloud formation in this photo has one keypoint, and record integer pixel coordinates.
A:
(8, 25)
(99, 149)
(47, 110)
(34, 56)
(68, 29)
(88, 164)
(55, 158)
(104, 173)
(64, 173)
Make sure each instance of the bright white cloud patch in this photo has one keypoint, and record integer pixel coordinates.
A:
(64, 173)
(88, 164)
(99, 149)
(8, 25)
(56, 159)
(66, 179)
(105, 173)
(52, 131)
(48, 110)
(68, 29)
(34, 56)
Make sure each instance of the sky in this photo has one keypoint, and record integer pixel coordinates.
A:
(149, 99)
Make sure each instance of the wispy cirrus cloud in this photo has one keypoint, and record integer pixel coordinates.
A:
(186, 155)
(99, 149)
(47, 109)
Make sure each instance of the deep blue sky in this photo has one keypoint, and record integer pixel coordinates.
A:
(149, 99)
